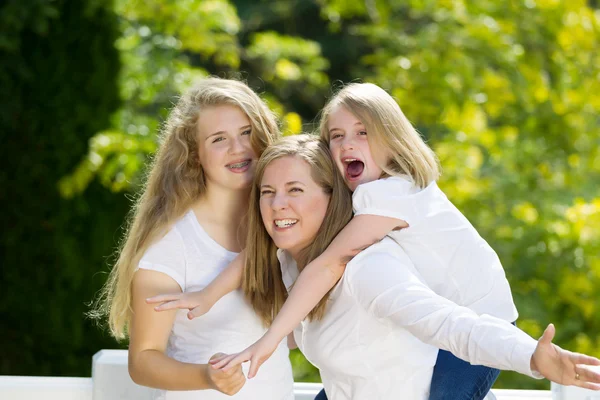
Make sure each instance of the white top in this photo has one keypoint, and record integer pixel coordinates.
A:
(449, 254)
(193, 259)
(366, 345)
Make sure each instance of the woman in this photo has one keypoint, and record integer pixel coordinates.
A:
(187, 225)
(363, 334)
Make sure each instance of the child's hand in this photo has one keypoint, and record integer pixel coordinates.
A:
(563, 366)
(197, 302)
(257, 354)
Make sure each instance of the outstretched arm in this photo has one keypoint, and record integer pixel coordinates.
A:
(199, 303)
(316, 279)
(399, 296)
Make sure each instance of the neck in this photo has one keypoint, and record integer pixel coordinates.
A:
(224, 206)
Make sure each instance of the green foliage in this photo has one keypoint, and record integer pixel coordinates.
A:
(58, 89)
(507, 93)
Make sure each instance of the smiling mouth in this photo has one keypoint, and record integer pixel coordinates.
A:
(239, 165)
(285, 223)
(354, 167)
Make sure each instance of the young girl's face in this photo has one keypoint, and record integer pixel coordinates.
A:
(350, 148)
(224, 147)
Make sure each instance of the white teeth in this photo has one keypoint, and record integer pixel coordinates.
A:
(239, 165)
(349, 160)
(284, 223)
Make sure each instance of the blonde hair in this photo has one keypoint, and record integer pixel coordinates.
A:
(174, 182)
(261, 280)
(396, 145)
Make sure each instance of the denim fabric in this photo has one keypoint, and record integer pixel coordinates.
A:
(456, 379)
(321, 395)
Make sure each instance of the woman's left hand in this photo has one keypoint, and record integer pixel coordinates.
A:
(563, 366)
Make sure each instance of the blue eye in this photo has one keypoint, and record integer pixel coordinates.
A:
(219, 139)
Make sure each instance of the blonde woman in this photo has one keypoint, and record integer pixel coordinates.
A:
(187, 225)
(368, 335)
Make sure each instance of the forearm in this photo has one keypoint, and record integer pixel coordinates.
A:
(155, 369)
(311, 286)
(479, 340)
(228, 280)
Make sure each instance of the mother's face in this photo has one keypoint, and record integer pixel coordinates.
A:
(292, 204)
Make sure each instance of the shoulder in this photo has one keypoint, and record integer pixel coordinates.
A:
(169, 247)
(171, 240)
(397, 185)
(380, 255)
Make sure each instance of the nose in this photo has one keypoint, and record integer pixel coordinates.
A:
(279, 202)
(348, 143)
(236, 145)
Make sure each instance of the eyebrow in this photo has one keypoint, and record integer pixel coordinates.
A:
(340, 129)
(223, 132)
(287, 184)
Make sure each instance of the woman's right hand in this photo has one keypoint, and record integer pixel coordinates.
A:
(229, 382)
(197, 302)
(563, 366)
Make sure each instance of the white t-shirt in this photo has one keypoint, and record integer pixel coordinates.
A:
(193, 259)
(449, 254)
(367, 347)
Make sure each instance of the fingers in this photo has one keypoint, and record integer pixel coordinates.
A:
(254, 366)
(218, 359)
(232, 361)
(171, 305)
(217, 356)
(584, 359)
(587, 385)
(548, 334)
(161, 298)
(588, 373)
(195, 312)
(228, 382)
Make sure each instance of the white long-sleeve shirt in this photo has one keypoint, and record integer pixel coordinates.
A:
(453, 259)
(383, 326)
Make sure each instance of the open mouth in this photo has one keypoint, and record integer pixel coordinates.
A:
(239, 165)
(285, 223)
(354, 167)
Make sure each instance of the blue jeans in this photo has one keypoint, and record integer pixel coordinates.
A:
(455, 379)
(321, 395)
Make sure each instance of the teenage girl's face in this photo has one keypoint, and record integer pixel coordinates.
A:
(292, 204)
(350, 148)
(224, 148)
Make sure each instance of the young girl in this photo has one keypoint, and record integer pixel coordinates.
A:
(187, 226)
(374, 146)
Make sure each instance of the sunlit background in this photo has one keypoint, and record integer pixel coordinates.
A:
(506, 92)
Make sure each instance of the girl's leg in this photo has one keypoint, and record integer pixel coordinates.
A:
(321, 395)
(456, 379)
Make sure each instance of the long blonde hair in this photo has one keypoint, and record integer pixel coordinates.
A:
(395, 144)
(261, 280)
(174, 182)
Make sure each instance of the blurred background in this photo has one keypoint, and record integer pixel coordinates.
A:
(506, 92)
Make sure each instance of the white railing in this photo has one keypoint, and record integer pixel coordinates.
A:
(110, 381)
